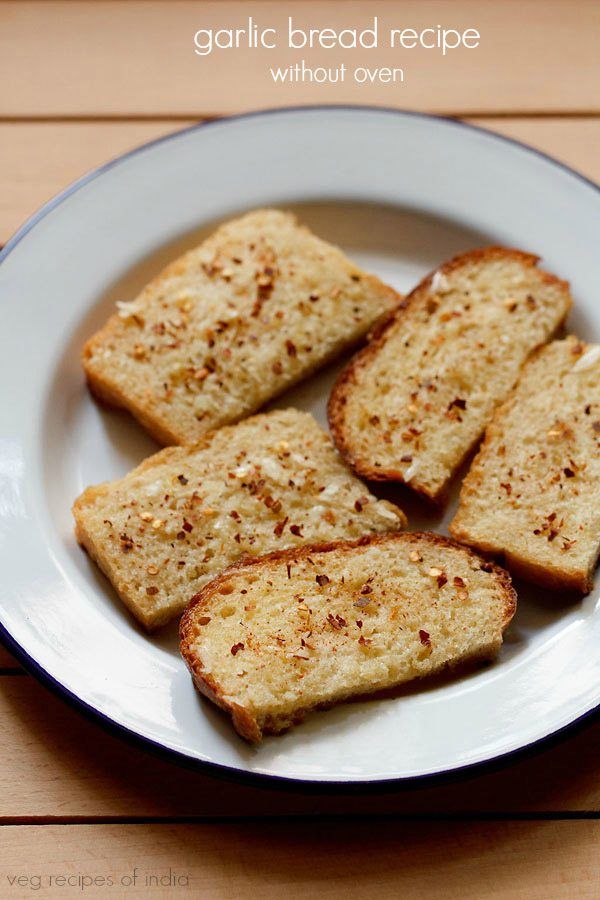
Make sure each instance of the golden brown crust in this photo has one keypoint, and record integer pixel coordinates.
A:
(246, 724)
(379, 335)
(86, 539)
(545, 575)
(152, 619)
(150, 413)
(111, 395)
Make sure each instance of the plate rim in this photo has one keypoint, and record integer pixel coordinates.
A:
(234, 773)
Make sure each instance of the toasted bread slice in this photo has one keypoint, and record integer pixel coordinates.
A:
(533, 491)
(411, 405)
(254, 309)
(273, 638)
(184, 514)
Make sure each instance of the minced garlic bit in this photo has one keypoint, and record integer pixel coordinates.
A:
(411, 471)
(439, 282)
(385, 512)
(434, 572)
(157, 523)
(589, 358)
(415, 556)
(128, 309)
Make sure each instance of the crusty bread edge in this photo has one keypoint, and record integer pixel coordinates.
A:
(552, 577)
(153, 620)
(377, 338)
(110, 393)
(245, 723)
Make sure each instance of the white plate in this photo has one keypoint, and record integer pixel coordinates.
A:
(400, 193)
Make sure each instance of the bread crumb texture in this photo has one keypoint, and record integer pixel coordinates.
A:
(258, 306)
(274, 638)
(411, 405)
(172, 524)
(533, 491)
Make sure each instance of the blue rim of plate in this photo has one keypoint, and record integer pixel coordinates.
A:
(231, 773)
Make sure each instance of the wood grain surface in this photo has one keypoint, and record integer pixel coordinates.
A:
(38, 159)
(386, 859)
(138, 59)
(83, 82)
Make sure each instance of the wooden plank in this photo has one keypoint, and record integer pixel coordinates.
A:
(37, 160)
(111, 58)
(572, 141)
(57, 764)
(470, 860)
(7, 661)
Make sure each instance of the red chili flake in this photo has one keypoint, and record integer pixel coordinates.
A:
(277, 368)
(126, 542)
(236, 648)
(458, 402)
(441, 580)
(588, 409)
(366, 589)
(313, 298)
(406, 458)
(297, 530)
(203, 620)
(359, 623)
(322, 580)
(334, 622)
(291, 348)
(569, 472)
(182, 479)
(507, 487)
(458, 581)
(358, 506)
(187, 526)
(289, 570)
(341, 621)
(364, 642)
(272, 504)
(424, 638)
(278, 530)
(235, 515)
(374, 420)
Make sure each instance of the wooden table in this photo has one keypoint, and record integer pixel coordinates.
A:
(82, 82)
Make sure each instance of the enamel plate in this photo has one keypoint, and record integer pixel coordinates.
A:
(399, 193)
